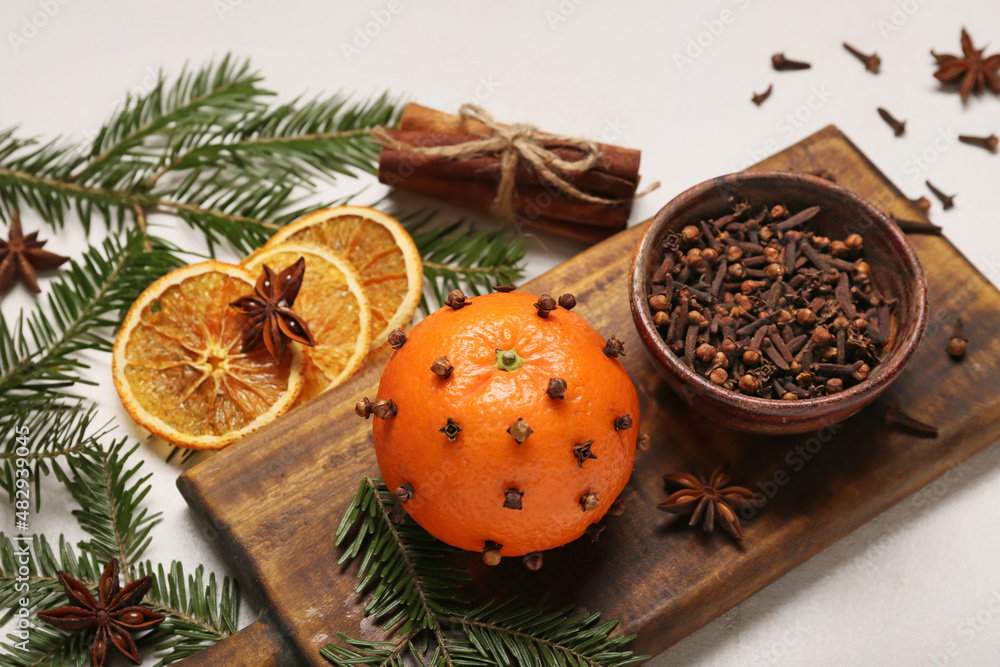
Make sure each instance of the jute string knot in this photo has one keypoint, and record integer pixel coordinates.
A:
(513, 144)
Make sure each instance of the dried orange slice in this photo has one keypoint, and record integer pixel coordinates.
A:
(382, 251)
(334, 306)
(178, 365)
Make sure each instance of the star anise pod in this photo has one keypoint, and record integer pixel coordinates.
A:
(270, 318)
(707, 501)
(115, 615)
(21, 256)
(976, 72)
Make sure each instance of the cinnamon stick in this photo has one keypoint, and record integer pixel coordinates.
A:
(454, 181)
(615, 161)
(478, 197)
(473, 181)
(486, 168)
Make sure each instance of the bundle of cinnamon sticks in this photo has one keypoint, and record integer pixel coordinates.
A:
(472, 181)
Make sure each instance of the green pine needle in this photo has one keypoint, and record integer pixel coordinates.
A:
(198, 614)
(40, 353)
(207, 148)
(328, 136)
(47, 646)
(456, 257)
(414, 589)
(31, 445)
(44, 565)
(110, 495)
(171, 115)
(210, 148)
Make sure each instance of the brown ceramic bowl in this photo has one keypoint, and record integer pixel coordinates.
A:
(896, 273)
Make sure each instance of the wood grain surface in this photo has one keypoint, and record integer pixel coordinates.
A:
(275, 497)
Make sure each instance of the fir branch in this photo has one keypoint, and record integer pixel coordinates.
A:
(52, 198)
(53, 159)
(255, 171)
(54, 430)
(217, 227)
(39, 354)
(405, 571)
(229, 157)
(242, 197)
(249, 233)
(198, 614)
(46, 647)
(328, 136)
(110, 496)
(401, 566)
(536, 636)
(208, 150)
(43, 565)
(197, 102)
(455, 257)
(41, 644)
(110, 493)
(383, 654)
(185, 454)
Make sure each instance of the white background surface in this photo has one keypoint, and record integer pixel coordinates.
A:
(911, 585)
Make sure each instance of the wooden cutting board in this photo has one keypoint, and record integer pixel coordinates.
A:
(273, 500)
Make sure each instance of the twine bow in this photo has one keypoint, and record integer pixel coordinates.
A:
(513, 144)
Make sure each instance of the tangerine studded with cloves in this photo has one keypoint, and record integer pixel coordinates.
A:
(497, 466)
